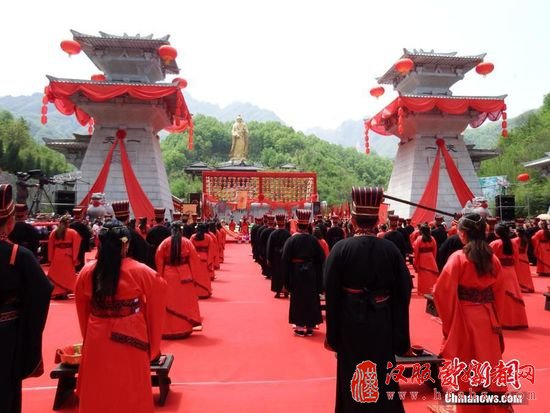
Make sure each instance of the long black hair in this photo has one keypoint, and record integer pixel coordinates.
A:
(476, 249)
(425, 232)
(523, 239)
(112, 238)
(62, 228)
(503, 233)
(175, 250)
(544, 227)
(201, 230)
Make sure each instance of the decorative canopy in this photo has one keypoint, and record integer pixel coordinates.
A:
(59, 92)
(405, 105)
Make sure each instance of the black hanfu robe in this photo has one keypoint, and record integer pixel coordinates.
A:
(254, 240)
(262, 250)
(398, 240)
(138, 248)
(24, 302)
(85, 237)
(26, 235)
(334, 234)
(368, 289)
(274, 254)
(446, 249)
(302, 268)
(154, 237)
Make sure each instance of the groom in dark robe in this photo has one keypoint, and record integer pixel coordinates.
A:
(367, 289)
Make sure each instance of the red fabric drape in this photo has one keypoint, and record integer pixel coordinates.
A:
(383, 120)
(463, 192)
(429, 197)
(101, 180)
(140, 203)
(59, 93)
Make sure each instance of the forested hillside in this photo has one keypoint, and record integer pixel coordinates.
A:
(273, 145)
(525, 143)
(20, 152)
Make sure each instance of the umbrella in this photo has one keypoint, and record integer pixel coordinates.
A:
(545, 217)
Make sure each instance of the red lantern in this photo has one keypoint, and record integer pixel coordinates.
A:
(121, 134)
(44, 110)
(523, 177)
(377, 91)
(504, 133)
(485, 68)
(70, 47)
(167, 53)
(181, 83)
(100, 77)
(43, 119)
(45, 100)
(404, 65)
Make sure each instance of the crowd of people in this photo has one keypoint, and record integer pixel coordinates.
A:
(145, 281)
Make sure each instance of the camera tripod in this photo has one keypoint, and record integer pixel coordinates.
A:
(37, 201)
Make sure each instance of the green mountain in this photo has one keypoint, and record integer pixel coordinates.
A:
(527, 141)
(273, 145)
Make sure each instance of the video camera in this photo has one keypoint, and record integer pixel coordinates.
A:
(35, 174)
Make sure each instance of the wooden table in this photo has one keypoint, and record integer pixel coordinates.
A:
(427, 357)
(66, 375)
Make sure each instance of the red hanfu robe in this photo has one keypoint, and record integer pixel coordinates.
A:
(465, 303)
(244, 228)
(216, 253)
(120, 341)
(508, 298)
(324, 246)
(205, 249)
(63, 257)
(425, 264)
(232, 226)
(220, 234)
(541, 247)
(523, 271)
(182, 304)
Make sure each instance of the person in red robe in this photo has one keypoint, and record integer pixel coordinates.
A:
(232, 225)
(211, 232)
(523, 270)
(205, 248)
(508, 298)
(464, 296)
(221, 235)
(63, 248)
(541, 248)
(425, 264)
(177, 261)
(120, 304)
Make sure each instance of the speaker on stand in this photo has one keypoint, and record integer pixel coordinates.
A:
(65, 201)
(505, 206)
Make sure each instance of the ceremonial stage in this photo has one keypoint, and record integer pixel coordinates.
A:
(247, 359)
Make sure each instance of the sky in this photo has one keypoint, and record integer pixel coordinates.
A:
(312, 62)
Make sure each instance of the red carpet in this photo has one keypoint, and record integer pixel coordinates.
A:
(247, 360)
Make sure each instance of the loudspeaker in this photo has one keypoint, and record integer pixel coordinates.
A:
(316, 208)
(505, 206)
(195, 198)
(65, 201)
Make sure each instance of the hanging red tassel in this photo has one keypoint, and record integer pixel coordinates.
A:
(367, 147)
(504, 122)
(504, 133)
(43, 119)
(400, 116)
(190, 133)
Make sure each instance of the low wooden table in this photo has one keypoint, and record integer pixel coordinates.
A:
(428, 357)
(66, 375)
(430, 305)
(547, 303)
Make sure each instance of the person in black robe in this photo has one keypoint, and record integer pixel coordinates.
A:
(23, 233)
(85, 233)
(24, 302)
(367, 289)
(274, 254)
(302, 269)
(138, 249)
(532, 230)
(262, 245)
(439, 232)
(254, 237)
(450, 245)
(155, 236)
(335, 233)
(395, 236)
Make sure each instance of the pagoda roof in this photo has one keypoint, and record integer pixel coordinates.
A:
(90, 43)
(539, 163)
(420, 57)
(107, 83)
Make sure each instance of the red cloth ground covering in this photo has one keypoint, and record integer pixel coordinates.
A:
(247, 360)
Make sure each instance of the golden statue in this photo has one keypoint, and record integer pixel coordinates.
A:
(239, 146)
